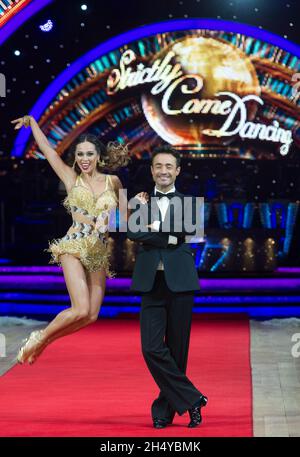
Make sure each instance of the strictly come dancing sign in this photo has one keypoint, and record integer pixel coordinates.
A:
(200, 91)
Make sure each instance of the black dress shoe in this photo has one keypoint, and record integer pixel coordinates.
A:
(161, 423)
(195, 412)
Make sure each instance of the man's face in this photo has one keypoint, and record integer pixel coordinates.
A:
(164, 171)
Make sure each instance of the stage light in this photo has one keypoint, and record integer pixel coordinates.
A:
(17, 52)
(83, 7)
(47, 26)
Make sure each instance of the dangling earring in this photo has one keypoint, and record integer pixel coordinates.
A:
(73, 166)
(101, 163)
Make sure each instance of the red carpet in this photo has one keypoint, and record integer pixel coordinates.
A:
(96, 383)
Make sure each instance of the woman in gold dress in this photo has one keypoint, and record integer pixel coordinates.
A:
(82, 252)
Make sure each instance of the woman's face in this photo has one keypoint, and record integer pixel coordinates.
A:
(86, 157)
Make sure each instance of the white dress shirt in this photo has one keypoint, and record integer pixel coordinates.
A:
(163, 204)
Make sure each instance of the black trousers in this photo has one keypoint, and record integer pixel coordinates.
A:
(165, 320)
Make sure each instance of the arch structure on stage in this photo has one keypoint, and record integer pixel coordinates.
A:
(210, 88)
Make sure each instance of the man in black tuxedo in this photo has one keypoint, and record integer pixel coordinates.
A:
(166, 276)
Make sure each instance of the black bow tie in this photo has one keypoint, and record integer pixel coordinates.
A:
(161, 194)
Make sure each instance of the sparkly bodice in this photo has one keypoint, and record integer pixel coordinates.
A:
(90, 212)
(87, 238)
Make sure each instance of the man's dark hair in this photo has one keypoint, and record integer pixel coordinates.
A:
(166, 149)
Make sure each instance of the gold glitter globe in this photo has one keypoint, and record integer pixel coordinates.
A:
(217, 66)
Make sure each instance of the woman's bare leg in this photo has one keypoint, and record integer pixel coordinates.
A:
(78, 315)
(96, 284)
(76, 282)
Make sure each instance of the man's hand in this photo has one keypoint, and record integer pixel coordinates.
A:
(152, 227)
(155, 226)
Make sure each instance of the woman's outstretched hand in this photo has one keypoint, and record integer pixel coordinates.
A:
(20, 122)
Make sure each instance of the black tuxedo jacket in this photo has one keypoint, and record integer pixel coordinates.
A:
(179, 266)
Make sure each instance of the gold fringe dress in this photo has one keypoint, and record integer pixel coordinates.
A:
(87, 238)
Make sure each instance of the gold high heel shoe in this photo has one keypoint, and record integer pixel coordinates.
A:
(37, 352)
(34, 338)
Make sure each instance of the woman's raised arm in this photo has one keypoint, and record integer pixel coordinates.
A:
(63, 171)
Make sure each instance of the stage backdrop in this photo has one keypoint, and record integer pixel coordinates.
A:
(212, 89)
(206, 90)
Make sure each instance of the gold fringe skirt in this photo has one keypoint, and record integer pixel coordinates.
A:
(90, 250)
